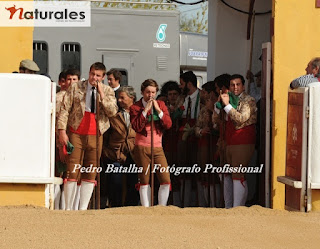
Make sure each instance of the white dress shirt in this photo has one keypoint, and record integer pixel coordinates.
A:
(193, 105)
(88, 98)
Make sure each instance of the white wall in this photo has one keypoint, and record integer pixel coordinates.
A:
(228, 47)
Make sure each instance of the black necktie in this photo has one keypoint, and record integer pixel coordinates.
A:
(92, 100)
(189, 109)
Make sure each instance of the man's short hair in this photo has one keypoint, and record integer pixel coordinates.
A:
(99, 66)
(149, 82)
(73, 72)
(129, 90)
(189, 77)
(238, 76)
(223, 80)
(116, 74)
(62, 75)
(315, 62)
(209, 86)
(172, 85)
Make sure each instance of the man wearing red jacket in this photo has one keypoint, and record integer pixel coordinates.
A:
(140, 116)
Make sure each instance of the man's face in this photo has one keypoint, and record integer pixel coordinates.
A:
(71, 79)
(186, 88)
(172, 97)
(204, 95)
(27, 71)
(149, 93)
(124, 100)
(63, 84)
(310, 70)
(182, 84)
(96, 75)
(112, 81)
(236, 86)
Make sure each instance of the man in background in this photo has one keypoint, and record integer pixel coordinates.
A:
(73, 75)
(313, 74)
(28, 66)
(118, 145)
(114, 78)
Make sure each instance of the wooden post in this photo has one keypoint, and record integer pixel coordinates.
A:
(97, 192)
(152, 160)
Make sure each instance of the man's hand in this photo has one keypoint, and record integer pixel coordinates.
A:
(100, 89)
(225, 98)
(62, 156)
(98, 86)
(148, 106)
(250, 76)
(156, 106)
(63, 138)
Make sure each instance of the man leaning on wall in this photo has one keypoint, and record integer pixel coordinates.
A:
(312, 74)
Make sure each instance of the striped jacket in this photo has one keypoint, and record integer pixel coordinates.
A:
(303, 81)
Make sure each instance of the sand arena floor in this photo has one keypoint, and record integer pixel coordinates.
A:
(158, 227)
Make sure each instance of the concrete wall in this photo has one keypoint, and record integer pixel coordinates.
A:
(16, 45)
(295, 42)
(229, 49)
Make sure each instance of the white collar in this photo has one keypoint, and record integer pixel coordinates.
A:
(144, 103)
(116, 88)
(89, 86)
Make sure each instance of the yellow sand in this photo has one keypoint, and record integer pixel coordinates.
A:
(158, 227)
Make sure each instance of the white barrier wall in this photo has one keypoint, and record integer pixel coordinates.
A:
(314, 136)
(27, 110)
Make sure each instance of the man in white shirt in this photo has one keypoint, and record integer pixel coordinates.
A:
(114, 78)
(78, 117)
(187, 144)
